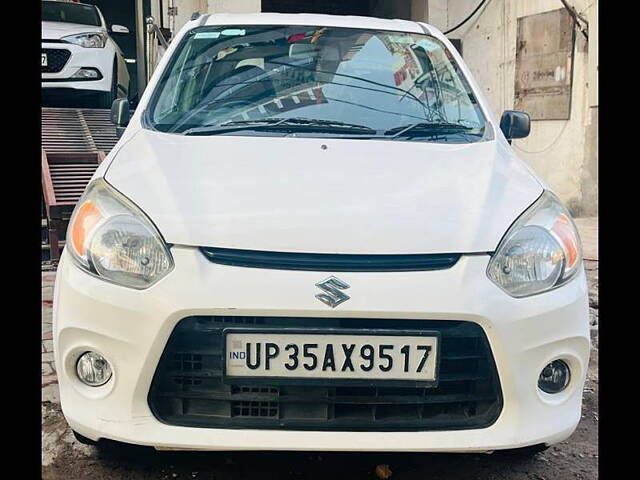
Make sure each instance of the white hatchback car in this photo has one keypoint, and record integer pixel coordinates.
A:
(314, 235)
(78, 55)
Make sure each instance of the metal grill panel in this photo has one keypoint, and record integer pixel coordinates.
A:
(57, 58)
(188, 388)
(74, 142)
(69, 180)
(77, 130)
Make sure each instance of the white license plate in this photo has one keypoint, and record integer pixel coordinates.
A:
(44, 59)
(405, 356)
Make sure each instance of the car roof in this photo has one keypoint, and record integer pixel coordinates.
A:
(310, 19)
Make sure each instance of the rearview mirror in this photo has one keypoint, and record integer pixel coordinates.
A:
(120, 115)
(515, 124)
(119, 29)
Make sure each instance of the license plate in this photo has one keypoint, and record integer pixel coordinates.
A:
(321, 355)
(44, 59)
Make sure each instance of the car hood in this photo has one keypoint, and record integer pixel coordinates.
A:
(324, 195)
(57, 30)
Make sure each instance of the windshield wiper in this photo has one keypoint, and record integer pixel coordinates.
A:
(233, 126)
(424, 128)
(296, 123)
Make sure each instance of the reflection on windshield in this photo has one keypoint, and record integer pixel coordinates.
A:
(381, 81)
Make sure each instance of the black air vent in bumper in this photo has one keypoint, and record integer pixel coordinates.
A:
(57, 58)
(188, 390)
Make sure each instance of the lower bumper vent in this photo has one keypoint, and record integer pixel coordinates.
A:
(188, 388)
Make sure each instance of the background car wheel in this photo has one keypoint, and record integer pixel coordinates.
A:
(107, 98)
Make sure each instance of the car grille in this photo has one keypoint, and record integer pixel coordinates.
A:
(319, 262)
(56, 59)
(188, 388)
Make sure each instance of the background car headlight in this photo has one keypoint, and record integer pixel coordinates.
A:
(111, 238)
(539, 252)
(87, 40)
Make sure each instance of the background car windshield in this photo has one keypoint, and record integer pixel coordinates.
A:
(379, 80)
(70, 13)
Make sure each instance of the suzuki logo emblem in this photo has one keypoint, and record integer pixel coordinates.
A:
(333, 295)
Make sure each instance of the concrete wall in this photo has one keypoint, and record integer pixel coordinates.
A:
(563, 152)
(590, 175)
(234, 6)
(391, 9)
(187, 7)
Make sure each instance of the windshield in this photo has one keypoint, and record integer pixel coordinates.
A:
(70, 13)
(315, 81)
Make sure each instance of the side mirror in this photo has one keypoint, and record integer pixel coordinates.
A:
(515, 124)
(120, 115)
(119, 29)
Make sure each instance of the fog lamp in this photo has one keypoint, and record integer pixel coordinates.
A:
(87, 74)
(554, 377)
(93, 369)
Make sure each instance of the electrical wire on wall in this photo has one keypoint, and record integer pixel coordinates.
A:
(485, 3)
(578, 19)
(470, 16)
(566, 122)
(548, 147)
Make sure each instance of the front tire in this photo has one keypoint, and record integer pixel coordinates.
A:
(526, 452)
(82, 439)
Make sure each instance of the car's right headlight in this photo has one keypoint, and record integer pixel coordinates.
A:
(540, 251)
(110, 237)
(87, 40)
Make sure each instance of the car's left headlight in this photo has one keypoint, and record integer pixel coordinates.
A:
(111, 238)
(87, 40)
(540, 251)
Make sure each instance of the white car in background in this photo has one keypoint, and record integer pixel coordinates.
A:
(78, 56)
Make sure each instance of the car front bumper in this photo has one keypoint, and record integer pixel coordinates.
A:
(130, 328)
(81, 57)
